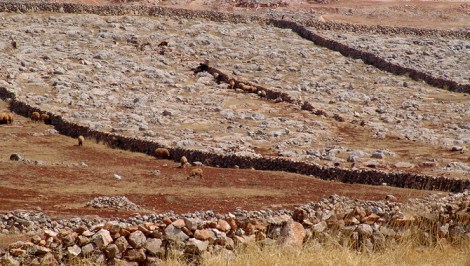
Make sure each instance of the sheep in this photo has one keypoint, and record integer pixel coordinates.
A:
(232, 84)
(81, 139)
(242, 86)
(45, 118)
(197, 172)
(3, 118)
(183, 161)
(35, 116)
(162, 153)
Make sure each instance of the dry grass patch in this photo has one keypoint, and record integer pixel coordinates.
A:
(315, 254)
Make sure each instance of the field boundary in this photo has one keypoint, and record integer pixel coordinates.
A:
(370, 177)
(297, 27)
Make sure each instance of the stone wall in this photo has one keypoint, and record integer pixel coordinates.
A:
(406, 180)
(148, 239)
(367, 57)
(371, 177)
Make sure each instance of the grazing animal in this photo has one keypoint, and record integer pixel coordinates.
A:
(6, 118)
(162, 153)
(81, 139)
(45, 118)
(232, 84)
(35, 116)
(197, 172)
(3, 118)
(9, 118)
(183, 161)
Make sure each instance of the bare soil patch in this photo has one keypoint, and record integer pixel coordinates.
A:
(60, 186)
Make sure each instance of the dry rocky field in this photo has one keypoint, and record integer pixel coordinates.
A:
(133, 76)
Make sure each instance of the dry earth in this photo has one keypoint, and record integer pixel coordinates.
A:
(56, 182)
(65, 61)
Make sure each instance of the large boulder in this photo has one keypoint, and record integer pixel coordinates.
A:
(292, 235)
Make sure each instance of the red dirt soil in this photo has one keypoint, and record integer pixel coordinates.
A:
(61, 188)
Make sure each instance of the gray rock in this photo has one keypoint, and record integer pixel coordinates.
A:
(121, 243)
(137, 239)
(112, 251)
(73, 251)
(102, 239)
(196, 246)
(175, 233)
(88, 249)
(153, 246)
(364, 229)
(319, 227)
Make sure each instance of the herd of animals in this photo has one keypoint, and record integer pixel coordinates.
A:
(160, 153)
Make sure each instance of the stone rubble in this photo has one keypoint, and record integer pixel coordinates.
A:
(117, 202)
(368, 225)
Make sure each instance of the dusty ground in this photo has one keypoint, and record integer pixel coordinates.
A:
(59, 186)
(445, 14)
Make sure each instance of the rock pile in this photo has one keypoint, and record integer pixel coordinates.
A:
(366, 225)
(119, 202)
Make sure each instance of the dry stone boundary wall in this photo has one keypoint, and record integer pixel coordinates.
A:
(367, 57)
(371, 177)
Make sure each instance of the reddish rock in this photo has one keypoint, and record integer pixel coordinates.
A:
(167, 221)
(187, 231)
(79, 230)
(232, 223)
(223, 225)
(292, 235)
(137, 255)
(17, 252)
(372, 218)
(249, 228)
(203, 234)
(178, 223)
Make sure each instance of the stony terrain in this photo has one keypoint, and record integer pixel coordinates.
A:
(151, 92)
(366, 225)
(133, 76)
(441, 57)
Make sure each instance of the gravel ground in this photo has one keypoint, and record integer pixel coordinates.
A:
(98, 71)
(441, 57)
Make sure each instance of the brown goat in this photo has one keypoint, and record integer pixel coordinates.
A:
(35, 116)
(81, 139)
(197, 172)
(162, 153)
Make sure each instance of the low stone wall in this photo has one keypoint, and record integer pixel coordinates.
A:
(147, 240)
(371, 177)
(367, 57)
